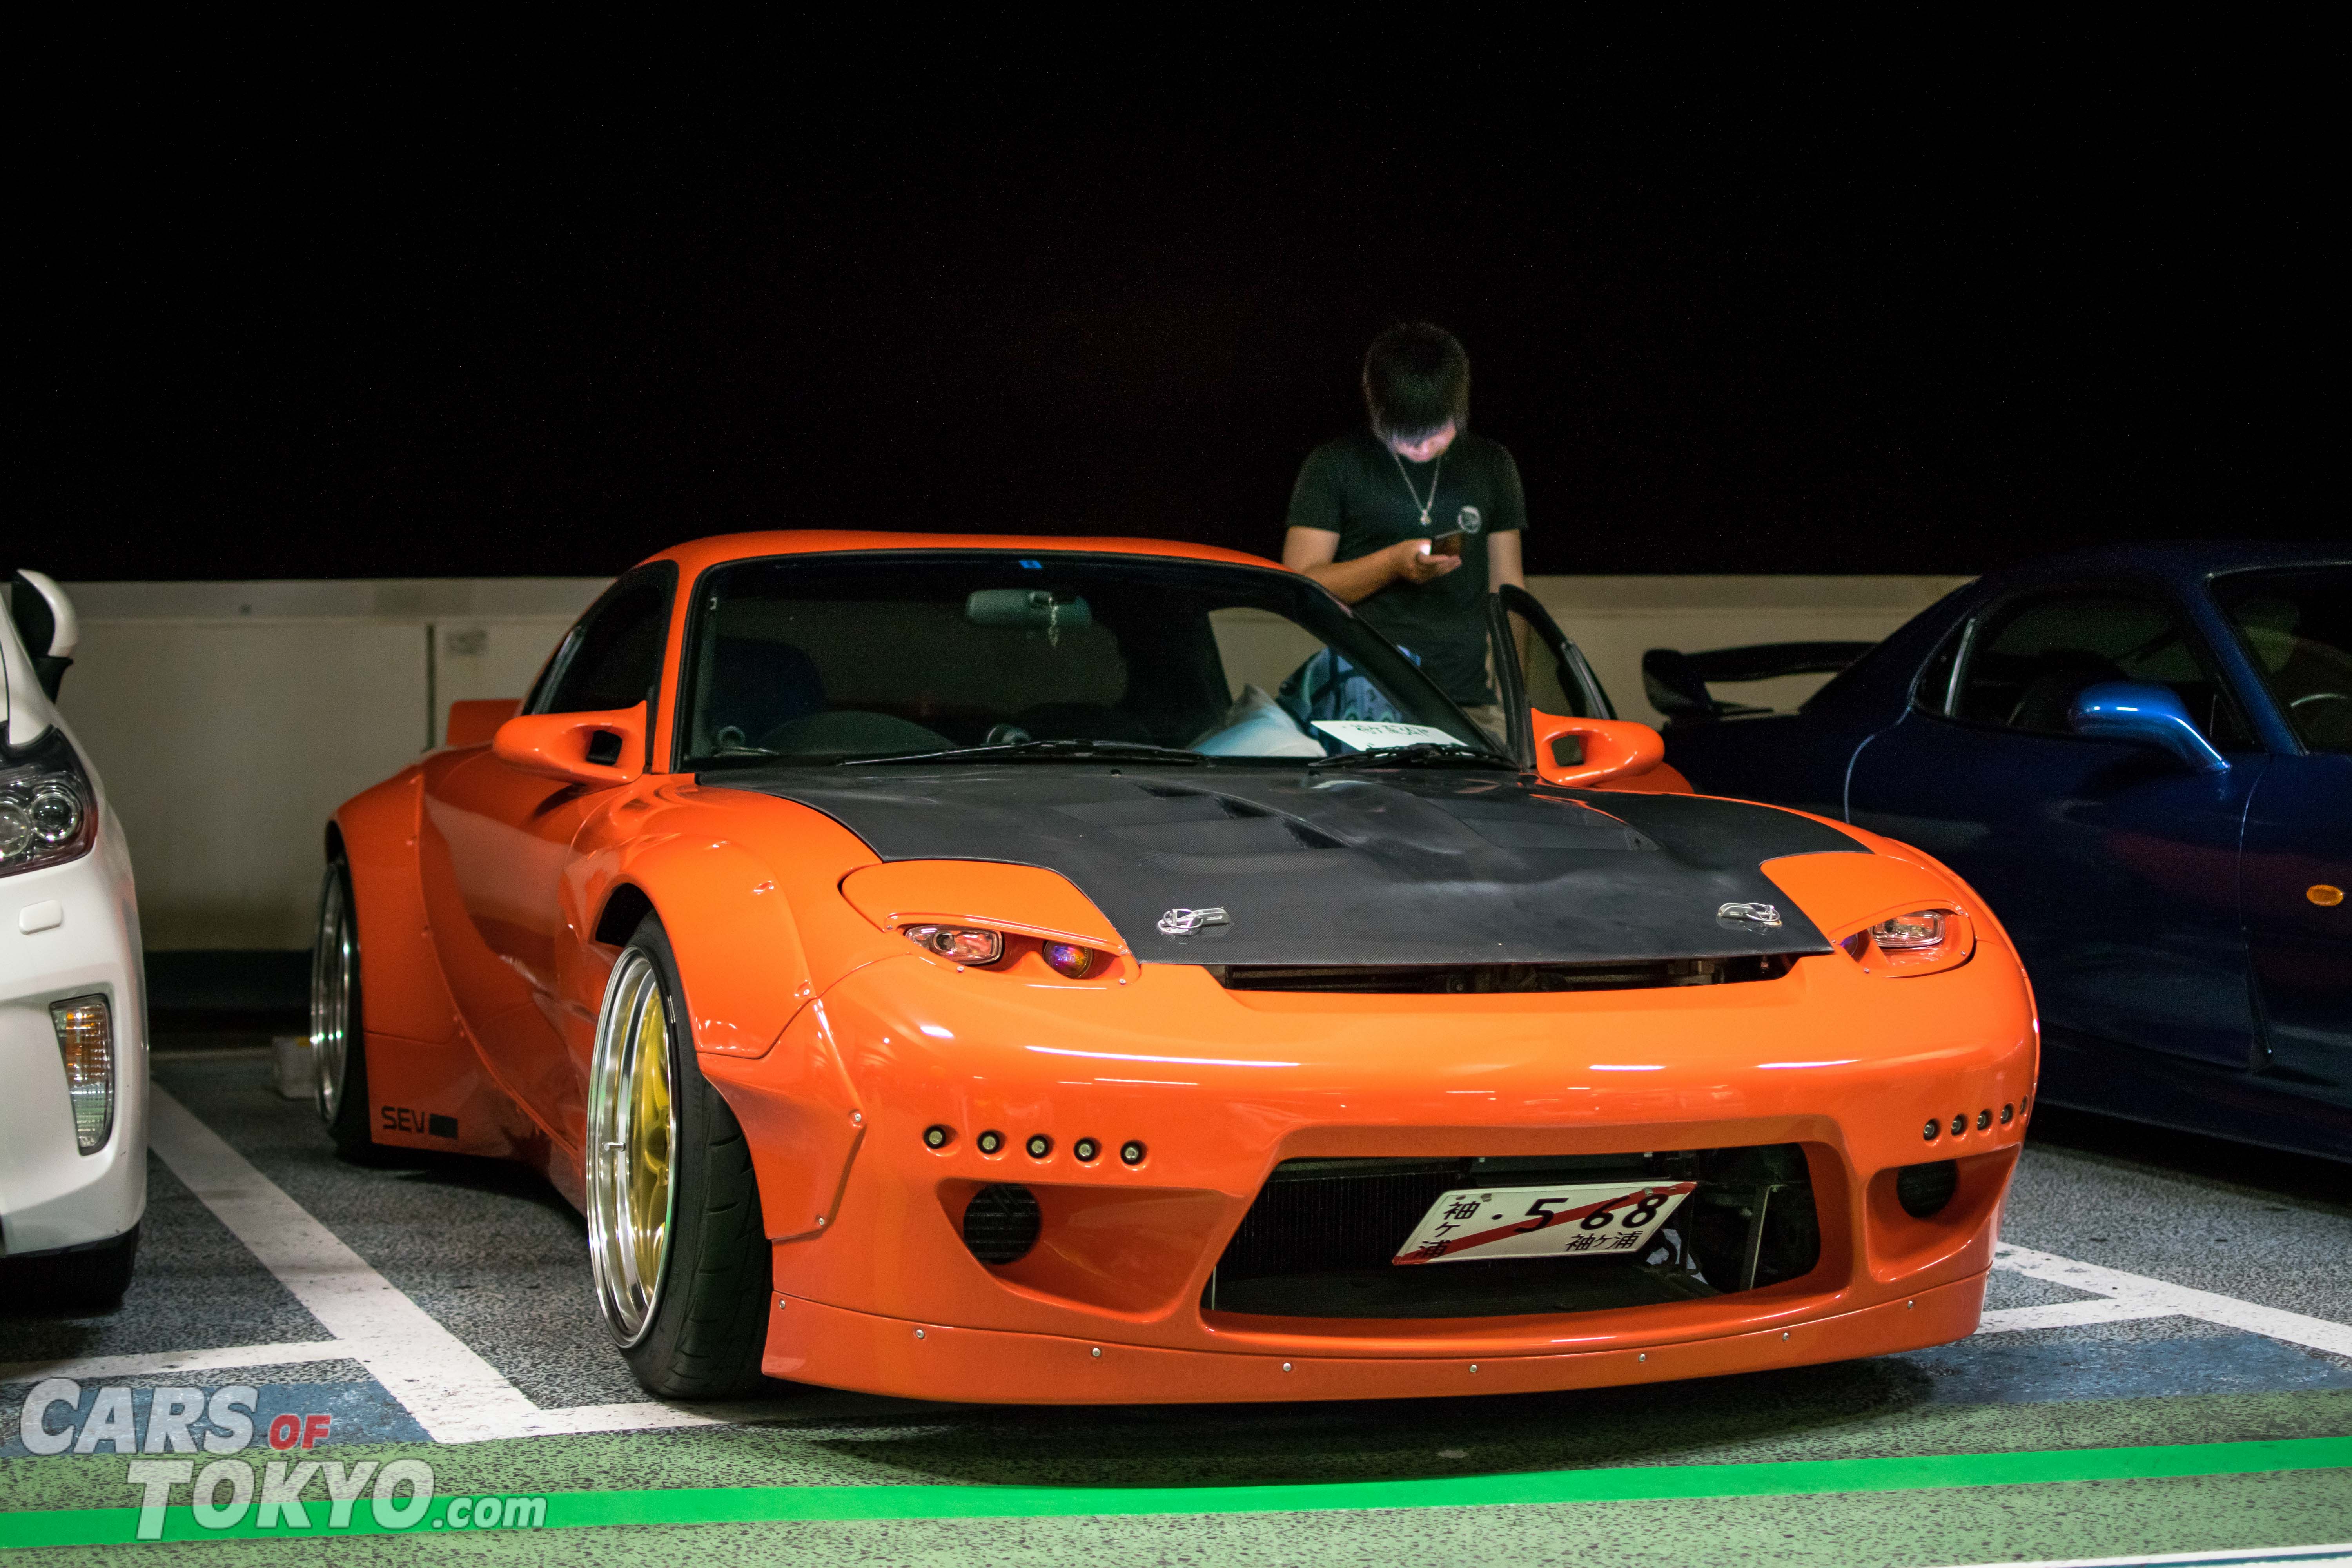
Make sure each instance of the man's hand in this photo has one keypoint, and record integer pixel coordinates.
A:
(1310, 551)
(1416, 563)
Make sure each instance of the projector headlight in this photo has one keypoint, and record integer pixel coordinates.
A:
(1920, 942)
(964, 944)
(47, 812)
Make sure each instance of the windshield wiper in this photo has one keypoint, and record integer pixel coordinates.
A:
(1418, 751)
(1017, 749)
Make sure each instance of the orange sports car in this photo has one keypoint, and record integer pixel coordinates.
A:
(1100, 970)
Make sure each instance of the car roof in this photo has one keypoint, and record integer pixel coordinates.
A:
(2184, 563)
(696, 555)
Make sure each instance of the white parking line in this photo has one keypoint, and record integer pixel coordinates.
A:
(2066, 1315)
(2159, 1299)
(2249, 1557)
(453, 1393)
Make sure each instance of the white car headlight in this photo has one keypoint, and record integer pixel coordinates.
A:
(47, 814)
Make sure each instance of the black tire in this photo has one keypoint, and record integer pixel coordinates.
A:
(336, 1007)
(88, 1279)
(707, 1328)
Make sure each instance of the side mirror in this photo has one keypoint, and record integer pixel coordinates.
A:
(46, 623)
(1585, 753)
(577, 747)
(2143, 715)
(475, 720)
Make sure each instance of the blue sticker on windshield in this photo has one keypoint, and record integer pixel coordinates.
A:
(1033, 566)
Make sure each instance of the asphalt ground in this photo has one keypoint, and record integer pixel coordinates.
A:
(2179, 1427)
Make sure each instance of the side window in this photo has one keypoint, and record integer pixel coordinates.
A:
(2027, 663)
(612, 657)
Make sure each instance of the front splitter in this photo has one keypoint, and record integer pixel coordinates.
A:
(836, 1348)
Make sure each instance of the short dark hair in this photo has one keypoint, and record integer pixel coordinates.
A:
(1416, 377)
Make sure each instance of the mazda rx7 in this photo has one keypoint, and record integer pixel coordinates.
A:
(1092, 969)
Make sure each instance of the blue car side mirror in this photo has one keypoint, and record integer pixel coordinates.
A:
(2145, 715)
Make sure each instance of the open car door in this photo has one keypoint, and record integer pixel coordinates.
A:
(1542, 679)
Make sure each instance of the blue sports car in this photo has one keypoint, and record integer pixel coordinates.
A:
(2142, 757)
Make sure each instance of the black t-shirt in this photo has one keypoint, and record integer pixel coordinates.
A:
(1357, 488)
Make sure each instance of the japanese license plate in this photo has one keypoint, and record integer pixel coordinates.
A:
(1601, 1219)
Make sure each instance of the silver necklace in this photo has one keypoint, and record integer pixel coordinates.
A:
(1435, 475)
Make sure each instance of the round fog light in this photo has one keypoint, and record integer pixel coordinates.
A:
(937, 1137)
(989, 1141)
(1934, 1130)
(1131, 1152)
(1959, 1124)
(1924, 1189)
(1000, 1223)
(1040, 1145)
(1084, 1150)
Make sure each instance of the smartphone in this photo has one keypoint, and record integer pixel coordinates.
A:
(1447, 543)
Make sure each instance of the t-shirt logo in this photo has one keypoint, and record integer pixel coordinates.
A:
(1469, 520)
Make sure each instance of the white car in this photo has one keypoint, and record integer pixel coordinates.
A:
(73, 1000)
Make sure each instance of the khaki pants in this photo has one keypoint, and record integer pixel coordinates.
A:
(1489, 717)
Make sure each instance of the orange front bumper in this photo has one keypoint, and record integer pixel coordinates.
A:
(1220, 1087)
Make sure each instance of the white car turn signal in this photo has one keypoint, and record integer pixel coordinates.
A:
(86, 1041)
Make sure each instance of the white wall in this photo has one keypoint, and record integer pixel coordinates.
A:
(229, 719)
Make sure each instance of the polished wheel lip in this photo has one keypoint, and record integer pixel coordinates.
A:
(625, 1297)
(334, 964)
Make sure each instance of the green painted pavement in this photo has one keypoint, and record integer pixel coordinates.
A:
(738, 1505)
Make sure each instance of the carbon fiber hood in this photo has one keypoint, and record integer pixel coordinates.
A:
(1403, 866)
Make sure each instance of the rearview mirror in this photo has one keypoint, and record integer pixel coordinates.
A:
(1584, 753)
(579, 748)
(2145, 715)
(1025, 609)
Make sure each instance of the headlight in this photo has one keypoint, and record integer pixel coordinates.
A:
(964, 944)
(48, 814)
(1920, 942)
(1010, 951)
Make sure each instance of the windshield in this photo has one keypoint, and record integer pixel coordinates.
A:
(2298, 626)
(822, 658)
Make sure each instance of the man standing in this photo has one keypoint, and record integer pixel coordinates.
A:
(1415, 520)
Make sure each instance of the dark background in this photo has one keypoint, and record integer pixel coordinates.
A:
(1793, 317)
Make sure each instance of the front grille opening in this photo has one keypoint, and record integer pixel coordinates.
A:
(1467, 979)
(1317, 1241)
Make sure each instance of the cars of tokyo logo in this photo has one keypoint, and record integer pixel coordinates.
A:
(150, 1426)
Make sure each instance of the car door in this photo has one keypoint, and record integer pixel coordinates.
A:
(2114, 865)
(2295, 627)
(503, 838)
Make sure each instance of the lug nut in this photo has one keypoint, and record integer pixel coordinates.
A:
(1131, 1152)
(1039, 1145)
(1086, 1150)
(989, 1141)
(937, 1137)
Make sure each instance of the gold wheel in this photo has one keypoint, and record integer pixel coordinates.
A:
(632, 1137)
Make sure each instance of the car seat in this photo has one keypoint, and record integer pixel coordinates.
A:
(756, 687)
